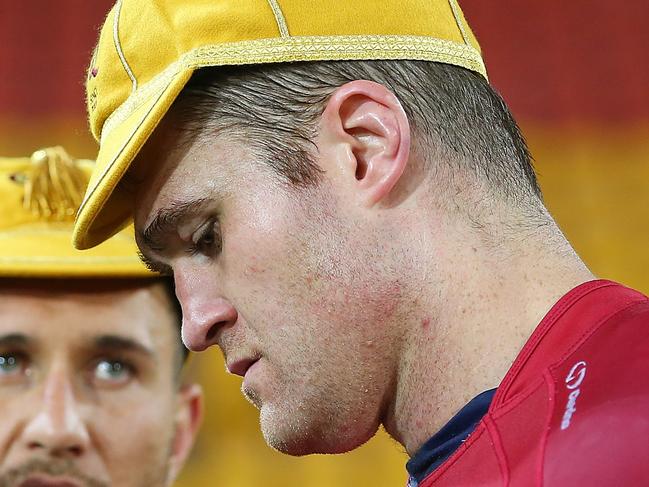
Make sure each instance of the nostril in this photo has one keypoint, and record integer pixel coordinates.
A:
(34, 445)
(75, 451)
(67, 452)
(211, 333)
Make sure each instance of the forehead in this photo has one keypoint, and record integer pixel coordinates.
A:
(65, 313)
(177, 166)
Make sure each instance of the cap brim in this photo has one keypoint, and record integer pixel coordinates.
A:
(42, 250)
(106, 209)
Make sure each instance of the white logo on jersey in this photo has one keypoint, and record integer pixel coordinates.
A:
(573, 380)
(576, 375)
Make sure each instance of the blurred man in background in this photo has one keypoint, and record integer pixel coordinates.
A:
(91, 390)
(364, 237)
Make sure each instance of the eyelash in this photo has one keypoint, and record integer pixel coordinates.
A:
(148, 264)
(209, 248)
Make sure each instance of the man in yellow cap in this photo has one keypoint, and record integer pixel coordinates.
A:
(350, 213)
(90, 355)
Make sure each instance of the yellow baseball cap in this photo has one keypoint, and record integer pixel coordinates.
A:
(39, 196)
(148, 50)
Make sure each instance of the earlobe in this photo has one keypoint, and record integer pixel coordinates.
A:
(368, 119)
(189, 416)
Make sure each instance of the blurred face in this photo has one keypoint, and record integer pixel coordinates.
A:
(87, 388)
(282, 281)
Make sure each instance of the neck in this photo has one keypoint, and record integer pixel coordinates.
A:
(464, 338)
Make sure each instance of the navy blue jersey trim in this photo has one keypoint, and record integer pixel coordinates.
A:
(443, 443)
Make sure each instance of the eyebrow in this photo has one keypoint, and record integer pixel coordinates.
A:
(103, 342)
(122, 344)
(163, 224)
(14, 340)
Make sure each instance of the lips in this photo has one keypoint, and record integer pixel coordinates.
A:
(241, 366)
(41, 481)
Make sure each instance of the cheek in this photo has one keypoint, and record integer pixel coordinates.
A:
(258, 264)
(354, 305)
(349, 285)
(302, 270)
(284, 269)
(15, 410)
(354, 296)
(133, 433)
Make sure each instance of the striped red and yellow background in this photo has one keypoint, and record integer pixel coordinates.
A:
(576, 77)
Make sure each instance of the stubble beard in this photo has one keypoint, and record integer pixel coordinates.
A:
(54, 468)
(68, 469)
(287, 426)
(309, 420)
(287, 431)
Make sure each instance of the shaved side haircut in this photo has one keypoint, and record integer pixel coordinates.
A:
(458, 120)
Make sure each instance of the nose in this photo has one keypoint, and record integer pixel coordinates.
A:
(57, 429)
(204, 311)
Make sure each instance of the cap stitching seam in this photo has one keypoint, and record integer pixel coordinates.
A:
(92, 188)
(251, 52)
(279, 18)
(458, 20)
(118, 46)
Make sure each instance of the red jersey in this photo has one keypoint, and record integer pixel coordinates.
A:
(573, 410)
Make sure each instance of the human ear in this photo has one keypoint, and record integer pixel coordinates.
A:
(189, 416)
(367, 130)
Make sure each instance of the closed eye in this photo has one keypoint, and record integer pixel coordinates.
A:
(207, 240)
(155, 266)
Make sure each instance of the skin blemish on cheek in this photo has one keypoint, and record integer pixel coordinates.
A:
(253, 266)
(425, 323)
